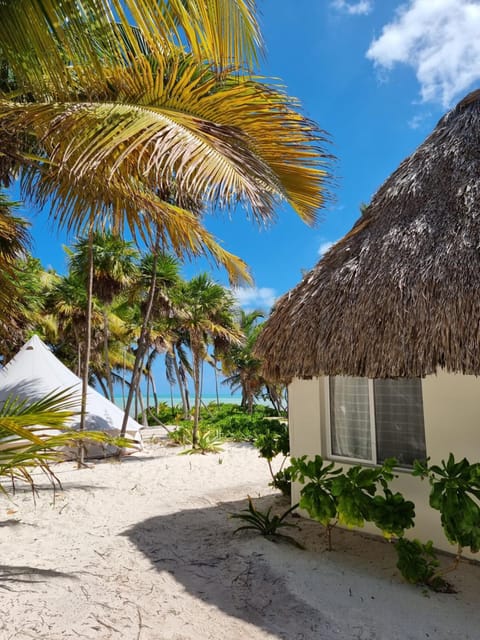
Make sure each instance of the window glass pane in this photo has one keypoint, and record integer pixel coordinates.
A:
(399, 420)
(350, 417)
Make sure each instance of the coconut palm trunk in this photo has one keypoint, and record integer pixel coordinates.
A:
(196, 347)
(88, 346)
(108, 369)
(142, 340)
(216, 381)
(181, 386)
(79, 355)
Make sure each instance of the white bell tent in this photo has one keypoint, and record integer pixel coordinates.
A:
(35, 372)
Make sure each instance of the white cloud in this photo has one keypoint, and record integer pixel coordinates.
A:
(255, 297)
(418, 120)
(359, 8)
(440, 40)
(324, 247)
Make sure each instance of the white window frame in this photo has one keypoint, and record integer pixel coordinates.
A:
(373, 431)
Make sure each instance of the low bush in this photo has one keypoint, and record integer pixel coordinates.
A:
(418, 564)
(230, 421)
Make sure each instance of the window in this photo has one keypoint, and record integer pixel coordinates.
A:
(371, 420)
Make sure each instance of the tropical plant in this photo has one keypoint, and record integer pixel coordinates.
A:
(208, 441)
(14, 243)
(33, 434)
(266, 524)
(207, 312)
(178, 366)
(181, 435)
(128, 129)
(277, 394)
(352, 498)
(209, 132)
(316, 496)
(158, 275)
(39, 41)
(113, 265)
(455, 492)
(230, 420)
(282, 480)
(418, 564)
(67, 300)
(33, 286)
(239, 362)
(271, 442)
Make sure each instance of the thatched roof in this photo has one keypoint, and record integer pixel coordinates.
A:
(399, 295)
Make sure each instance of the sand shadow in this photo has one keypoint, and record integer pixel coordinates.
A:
(29, 575)
(198, 548)
(56, 490)
(11, 522)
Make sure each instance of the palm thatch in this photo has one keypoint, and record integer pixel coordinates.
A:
(399, 295)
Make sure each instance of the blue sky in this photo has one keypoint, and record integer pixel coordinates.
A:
(376, 75)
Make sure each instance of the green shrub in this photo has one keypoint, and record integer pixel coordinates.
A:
(163, 413)
(455, 492)
(229, 420)
(418, 564)
(329, 496)
(282, 480)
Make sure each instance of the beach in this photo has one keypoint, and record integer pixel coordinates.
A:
(144, 549)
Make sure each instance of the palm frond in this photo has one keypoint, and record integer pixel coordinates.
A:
(130, 204)
(33, 433)
(62, 48)
(172, 121)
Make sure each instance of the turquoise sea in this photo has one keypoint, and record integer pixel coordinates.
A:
(177, 400)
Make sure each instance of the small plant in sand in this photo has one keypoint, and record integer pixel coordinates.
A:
(266, 524)
(282, 480)
(208, 441)
(181, 435)
(273, 441)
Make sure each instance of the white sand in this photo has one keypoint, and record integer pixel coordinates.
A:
(143, 550)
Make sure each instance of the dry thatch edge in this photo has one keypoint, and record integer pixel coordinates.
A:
(398, 296)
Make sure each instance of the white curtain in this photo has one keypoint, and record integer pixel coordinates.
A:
(350, 417)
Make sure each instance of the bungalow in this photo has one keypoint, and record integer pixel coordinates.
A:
(380, 342)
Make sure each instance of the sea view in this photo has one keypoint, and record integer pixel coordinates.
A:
(177, 400)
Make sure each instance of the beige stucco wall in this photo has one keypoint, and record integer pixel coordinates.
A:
(452, 424)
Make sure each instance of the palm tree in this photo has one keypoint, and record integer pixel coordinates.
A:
(207, 313)
(39, 37)
(166, 279)
(118, 117)
(178, 364)
(67, 302)
(120, 336)
(239, 362)
(14, 293)
(244, 369)
(114, 268)
(158, 274)
(127, 129)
